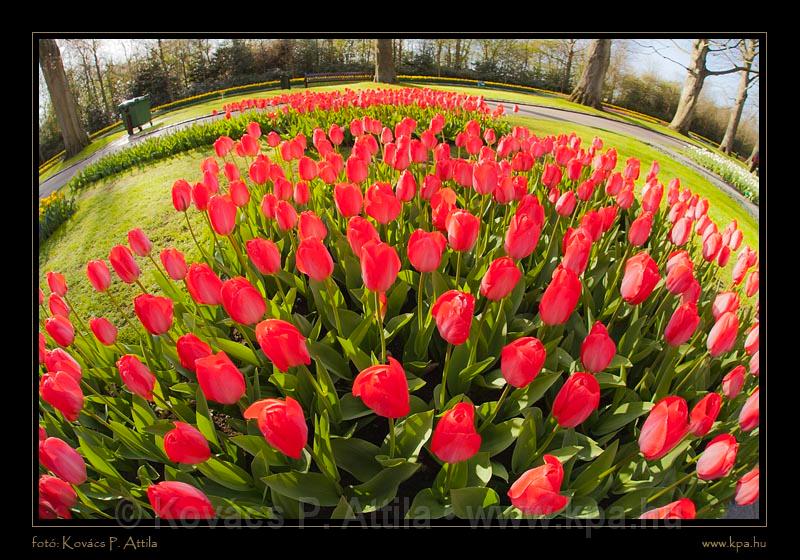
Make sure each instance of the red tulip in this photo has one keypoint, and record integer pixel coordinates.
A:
(485, 177)
(57, 305)
(359, 232)
(682, 324)
(190, 348)
(139, 242)
(268, 204)
(679, 278)
(219, 379)
(124, 264)
(754, 364)
(282, 423)
(174, 263)
(201, 195)
(430, 185)
(60, 329)
(577, 399)
(747, 487)
(641, 276)
(57, 283)
(223, 145)
(314, 260)
(178, 500)
(723, 334)
(60, 360)
(42, 348)
(665, 427)
(283, 344)
(522, 235)
(597, 349)
(264, 254)
(103, 330)
(137, 378)
(384, 389)
(181, 195)
(455, 438)
(348, 199)
(63, 392)
(203, 284)
(711, 246)
(154, 312)
(680, 509)
(718, 457)
(60, 459)
(406, 186)
(307, 168)
(724, 256)
(242, 301)
(566, 203)
(381, 204)
(704, 414)
(733, 382)
(240, 195)
(98, 274)
(379, 265)
(273, 139)
(185, 444)
(222, 212)
(453, 314)
(56, 497)
(749, 416)
(522, 360)
(500, 279)
(577, 250)
(725, 302)
(560, 297)
(537, 491)
(462, 230)
(680, 232)
(285, 215)
(357, 169)
(425, 250)
(311, 225)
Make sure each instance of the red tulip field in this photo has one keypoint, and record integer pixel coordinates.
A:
(405, 303)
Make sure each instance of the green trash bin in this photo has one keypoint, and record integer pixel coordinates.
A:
(135, 113)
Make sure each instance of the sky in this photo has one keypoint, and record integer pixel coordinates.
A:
(645, 55)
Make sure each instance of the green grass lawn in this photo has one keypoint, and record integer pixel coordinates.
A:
(94, 146)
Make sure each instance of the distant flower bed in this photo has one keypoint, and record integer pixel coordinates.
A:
(730, 171)
(54, 210)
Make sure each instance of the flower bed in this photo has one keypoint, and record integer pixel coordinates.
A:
(730, 171)
(54, 210)
(409, 306)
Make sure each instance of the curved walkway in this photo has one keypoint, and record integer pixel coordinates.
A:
(668, 144)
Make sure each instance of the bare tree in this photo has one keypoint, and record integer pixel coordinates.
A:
(589, 90)
(384, 65)
(749, 52)
(75, 138)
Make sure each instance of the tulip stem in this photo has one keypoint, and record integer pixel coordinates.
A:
(419, 300)
(491, 417)
(119, 309)
(331, 296)
(380, 326)
(242, 329)
(144, 291)
(191, 231)
(106, 401)
(458, 268)
(671, 486)
(447, 354)
(474, 350)
(690, 373)
(391, 438)
(158, 268)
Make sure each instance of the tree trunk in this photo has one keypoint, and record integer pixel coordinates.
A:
(749, 54)
(384, 65)
(589, 90)
(458, 54)
(753, 160)
(75, 138)
(568, 70)
(165, 69)
(100, 79)
(439, 45)
(691, 87)
(399, 53)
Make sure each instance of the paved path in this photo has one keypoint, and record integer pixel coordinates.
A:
(668, 144)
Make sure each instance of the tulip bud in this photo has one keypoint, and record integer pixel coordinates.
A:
(56, 497)
(680, 509)
(749, 416)
(747, 488)
(425, 250)
(679, 278)
(348, 199)
(577, 250)
(264, 254)
(57, 305)
(60, 459)
(597, 349)
(219, 379)
(641, 277)
(522, 236)
(185, 444)
(733, 382)
(57, 283)
(455, 438)
(384, 389)
(314, 260)
(462, 230)
(103, 330)
(664, 428)
(63, 392)
(537, 491)
(723, 334)
(359, 232)
(381, 204)
(560, 297)
(154, 312)
(177, 500)
(725, 302)
(311, 225)
(453, 314)
(60, 329)
(682, 324)
(137, 378)
(704, 414)
(181, 195)
(566, 203)
(242, 301)
(718, 457)
(124, 264)
(522, 360)
(500, 279)
(379, 265)
(283, 344)
(139, 242)
(190, 348)
(285, 215)
(577, 399)
(282, 423)
(98, 274)
(60, 360)
(174, 263)
(203, 284)
(751, 342)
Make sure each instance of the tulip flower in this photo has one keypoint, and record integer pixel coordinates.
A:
(500, 279)
(185, 444)
(359, 232)
(711, 246)
(264, 255)
(560, 297)
(124, 264)
(174, 263)
(57, 283)
(453, 314)
(597, 349)
(384, 389)
(285, 215)
(679, 279)
(704, 413)
(63, 461)
(751, 342)
(177, 500)
(98, 274)
(723, 334)
(577, 399)
(381, 204)
(60, 329)
(680, 509)
(42, 348)
(242, 301)
(733, 382)
(566, 204)
(749, 415)
(139, 242)
(379, 265)
(462, 230)
(682, 324)
(348, 199)
(104, 331)
(754, 364)
(181, 195)
(56, 497)
(537, 491)
(282, 423)
(455, 438)
(747, 488)
(136, 376)
(154, 312)
(724, 302)
(60, 360)
(311, 225)
(190, 348)
(219, 379)
(522, 360)
(666, 425)
(57, 305)
(63, 392)
(641, 277)
(425, 250)
(406, 186)
(577, 251)
(718, 458)
(314, 260)
(204, 285)
(283, 344)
